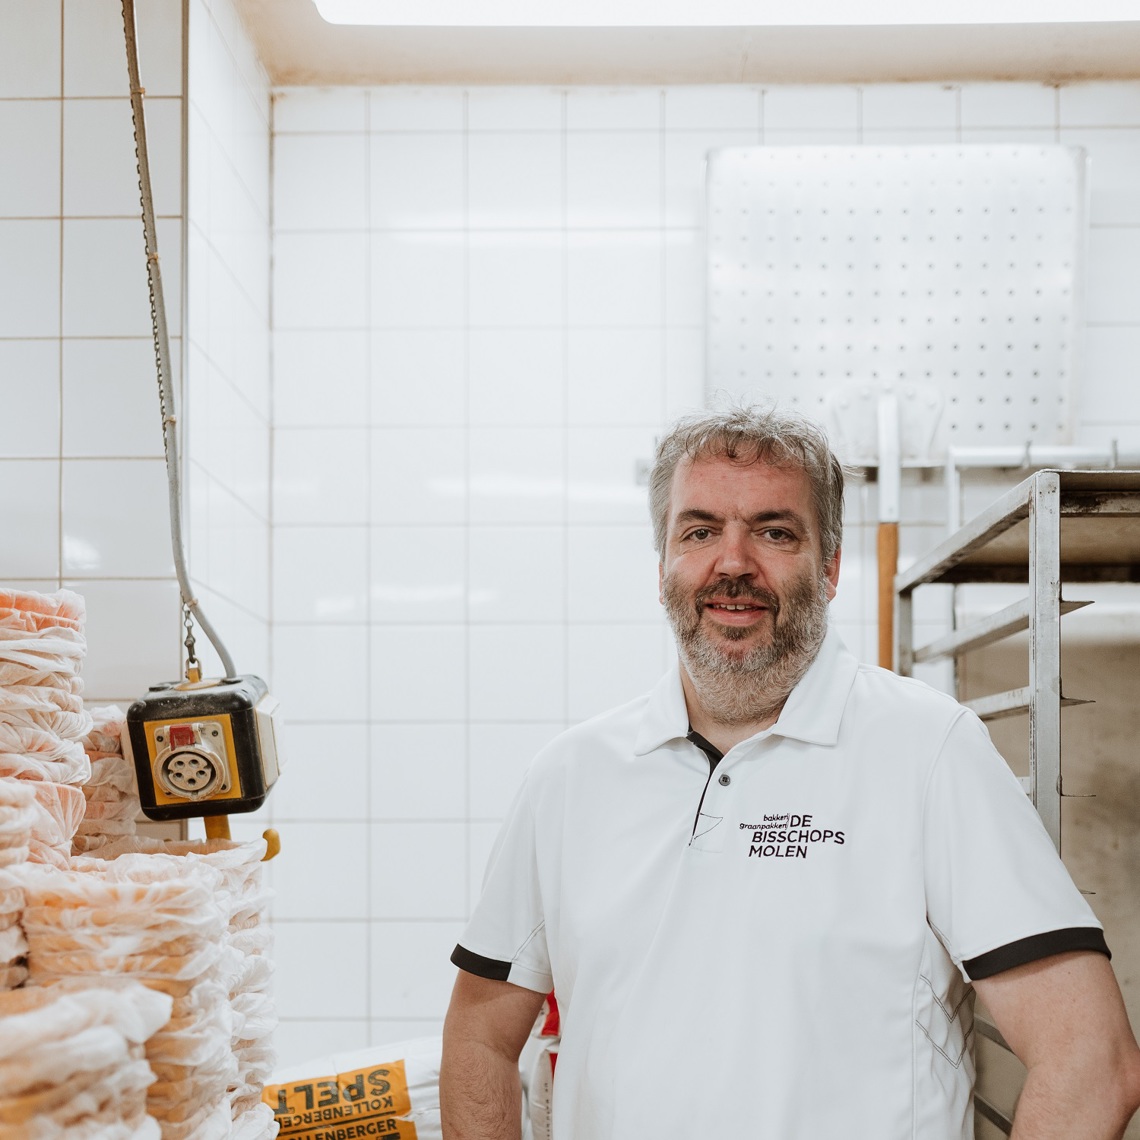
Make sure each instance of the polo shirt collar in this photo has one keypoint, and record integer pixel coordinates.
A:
(812, 713)
(814, 708)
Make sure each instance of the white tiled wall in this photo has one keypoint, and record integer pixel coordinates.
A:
(486, 304)
(82, 483)
(228, 347)
(469, 314)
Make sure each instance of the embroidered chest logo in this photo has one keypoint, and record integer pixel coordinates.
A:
(788, 836)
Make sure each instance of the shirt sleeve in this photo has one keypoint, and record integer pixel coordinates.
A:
(505, 939)
(997, 893)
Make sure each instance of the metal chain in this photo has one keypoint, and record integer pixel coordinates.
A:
(191, 659)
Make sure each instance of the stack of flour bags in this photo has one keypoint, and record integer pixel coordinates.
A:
(42, 718)
(111, 791)
(255, 1012)
(242, 901)
(188, 919)
(152, 920)
(16, 816)
(72, 1063)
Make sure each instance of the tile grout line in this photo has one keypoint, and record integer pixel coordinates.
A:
(183, 348)
(567, 435)
(370, 644)
(467, 446)
(663, 405)
(59, 320)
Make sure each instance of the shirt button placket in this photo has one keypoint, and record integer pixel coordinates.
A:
(711, 827)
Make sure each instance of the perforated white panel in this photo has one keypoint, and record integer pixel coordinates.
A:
(959, 267)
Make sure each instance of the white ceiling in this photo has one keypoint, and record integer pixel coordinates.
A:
(298, 48)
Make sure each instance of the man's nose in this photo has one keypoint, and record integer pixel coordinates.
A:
(736, 557)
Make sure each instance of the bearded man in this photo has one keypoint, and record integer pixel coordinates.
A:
(766, 891)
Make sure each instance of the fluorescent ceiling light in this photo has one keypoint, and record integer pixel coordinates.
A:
(720, 13)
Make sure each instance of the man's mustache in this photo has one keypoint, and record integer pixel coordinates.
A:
(739, 590)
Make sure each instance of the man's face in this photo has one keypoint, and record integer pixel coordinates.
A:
(743, 579)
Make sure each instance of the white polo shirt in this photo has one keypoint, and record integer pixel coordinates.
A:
(790, 959)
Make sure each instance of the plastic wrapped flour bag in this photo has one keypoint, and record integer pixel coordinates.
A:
(72, 1061)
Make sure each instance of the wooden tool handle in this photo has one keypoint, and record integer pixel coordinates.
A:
(217, 826)
(888, 567)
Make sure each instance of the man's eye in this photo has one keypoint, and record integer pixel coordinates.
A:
(779, 534)
(700, 534)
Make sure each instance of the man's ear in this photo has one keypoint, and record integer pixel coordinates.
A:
(831, 573)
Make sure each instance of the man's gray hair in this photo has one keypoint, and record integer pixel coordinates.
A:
(751, 434)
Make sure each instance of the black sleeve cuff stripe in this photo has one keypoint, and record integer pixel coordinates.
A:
(1035, 947)
(483, 967)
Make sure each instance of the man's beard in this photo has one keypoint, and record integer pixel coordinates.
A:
(743, 688)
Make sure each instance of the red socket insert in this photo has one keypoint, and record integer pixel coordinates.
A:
(181, 735)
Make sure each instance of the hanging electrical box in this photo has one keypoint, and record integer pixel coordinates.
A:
(203, 748)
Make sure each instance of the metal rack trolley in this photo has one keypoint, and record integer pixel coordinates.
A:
(1055, 527)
